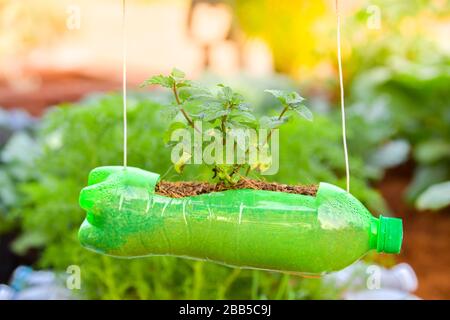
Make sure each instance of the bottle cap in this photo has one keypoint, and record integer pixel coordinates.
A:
(390, 235)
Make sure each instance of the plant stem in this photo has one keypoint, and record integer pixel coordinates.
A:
(227, 176)
(198, 280)
(235, 169)
(269, 135)
(283, 287)
(223, 124)
(223, 128)
(186, 116)
(283, 112)
(255, 285)
(221, 294)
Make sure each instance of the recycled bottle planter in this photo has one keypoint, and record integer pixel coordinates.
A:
(245, 228)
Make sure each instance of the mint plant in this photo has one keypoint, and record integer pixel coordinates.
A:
(223, 114)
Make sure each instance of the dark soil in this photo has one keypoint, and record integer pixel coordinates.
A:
(186, 189)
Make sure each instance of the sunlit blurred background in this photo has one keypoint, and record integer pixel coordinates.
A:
(396, 61)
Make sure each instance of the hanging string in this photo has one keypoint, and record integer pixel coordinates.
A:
(124, 80)
(341, 85)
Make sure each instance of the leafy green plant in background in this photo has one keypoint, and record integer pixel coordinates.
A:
(410, 103)
(73, 139)
(16, 130)
(399, 83)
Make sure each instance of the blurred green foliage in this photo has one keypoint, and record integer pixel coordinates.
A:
(399, 81)
(16, 130)
(396, 69)
(411, 101)
(73, 139)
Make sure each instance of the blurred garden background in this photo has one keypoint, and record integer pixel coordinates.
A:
(60, 116)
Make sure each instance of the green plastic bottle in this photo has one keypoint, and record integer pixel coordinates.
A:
(244, 228)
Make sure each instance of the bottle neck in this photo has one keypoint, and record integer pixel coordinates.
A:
(373, 236)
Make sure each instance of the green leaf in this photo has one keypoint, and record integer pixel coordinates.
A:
(424, 177)
(432, 151)
(293, 98)
(170, 112)
(229, 98)
(215, 114)
(243, 107)
(177, 74)
(28, 241)
(391, 154)
(279, 94)
(194, 92)
(183, 83)
(185, 93)
(303, 112)
(204, 97)
(236, 99)
(176, 77)
(435, 197)
(244, 115)
(272, 122)
(166, 82)
(241, 121)
(286, 98)
(227, 92)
